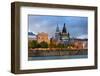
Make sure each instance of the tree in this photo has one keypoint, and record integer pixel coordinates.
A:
(60, 45)
(33, 44)
(30, 44)
(38, 45)
(52, 43)
(44, 44)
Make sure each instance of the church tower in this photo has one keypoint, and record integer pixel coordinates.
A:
(64, 29)
(57, 34)
(57, 29)
(62, 36)
(65, 36)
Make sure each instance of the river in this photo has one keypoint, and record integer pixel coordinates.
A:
(57, 57)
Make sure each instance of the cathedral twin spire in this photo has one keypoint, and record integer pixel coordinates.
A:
(63, 30)
(57, 29)
(63, 34)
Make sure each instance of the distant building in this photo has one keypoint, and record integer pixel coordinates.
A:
(42, 37)
(53, 42)
(80, 43)
(62, 36)
(57, 33)
(31, 36)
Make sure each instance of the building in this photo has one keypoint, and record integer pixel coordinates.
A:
(42, 37)
(80, 43)
(31, 36)
(62, 36)
(53, 42)
(57, 33)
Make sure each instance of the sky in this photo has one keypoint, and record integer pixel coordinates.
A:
(75, 25)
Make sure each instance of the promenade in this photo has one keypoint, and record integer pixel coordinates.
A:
(56, 52)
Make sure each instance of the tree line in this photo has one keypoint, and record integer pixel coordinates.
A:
(35, 44)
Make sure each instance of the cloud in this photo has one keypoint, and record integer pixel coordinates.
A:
(76, 26)
(83, 37)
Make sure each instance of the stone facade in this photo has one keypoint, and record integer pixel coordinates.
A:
(42, 37)
(62, 36)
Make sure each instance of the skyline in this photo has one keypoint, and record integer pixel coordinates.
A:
(76, 26)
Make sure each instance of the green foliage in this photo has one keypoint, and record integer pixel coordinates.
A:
(35, 44)
(60, 46)
(44, 44)
(38, 46)
(29, 44)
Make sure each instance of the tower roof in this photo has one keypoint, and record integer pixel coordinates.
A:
(57, 29)
(64, 29)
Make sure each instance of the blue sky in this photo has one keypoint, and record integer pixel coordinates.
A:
(76, 26)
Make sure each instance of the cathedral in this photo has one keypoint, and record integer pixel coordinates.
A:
(62, 36)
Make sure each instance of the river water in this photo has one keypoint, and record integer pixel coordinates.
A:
(57, 57)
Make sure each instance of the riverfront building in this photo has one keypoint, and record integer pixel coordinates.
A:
(42, 37)
(62, 36)
(31, 36)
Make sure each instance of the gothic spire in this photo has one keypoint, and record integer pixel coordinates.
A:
(68, 34)
(64, 29)
(57, 29)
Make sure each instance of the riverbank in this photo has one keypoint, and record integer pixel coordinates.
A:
(56, 52)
